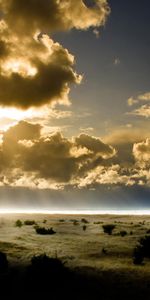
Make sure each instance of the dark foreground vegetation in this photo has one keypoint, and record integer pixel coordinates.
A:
(50, 278)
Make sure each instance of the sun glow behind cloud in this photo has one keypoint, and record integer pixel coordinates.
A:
(9, 116)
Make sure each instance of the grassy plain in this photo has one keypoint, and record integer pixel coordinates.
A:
(107, 258)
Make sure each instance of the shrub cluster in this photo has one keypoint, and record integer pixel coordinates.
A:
(44, 231)
(29, 222)
(123, 233)
(142, 250)
(108, 228)
(18, 223)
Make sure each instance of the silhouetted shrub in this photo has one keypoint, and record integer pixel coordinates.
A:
(83, 220)
(3, 262)
(18, 223)
(44, 262)
(138, 255)
(123, 233)
(148, 231)
(131, 232)
(44, 221)
(84, 227)
(29, 222)
(145, 245)
(104, 251)
(142, 250)
(44, 231)
(108, 228)
(61, 220)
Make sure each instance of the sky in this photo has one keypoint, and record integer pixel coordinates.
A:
(74, 104)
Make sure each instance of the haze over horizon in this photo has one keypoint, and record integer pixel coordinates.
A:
(74, 105)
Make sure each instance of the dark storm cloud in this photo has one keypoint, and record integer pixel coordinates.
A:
(33, 69)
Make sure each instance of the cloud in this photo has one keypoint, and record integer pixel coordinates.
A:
(48, 160)
(143, 111)
(123, 139)
(131, 101)
(106, 176)
(35, 70)
(142, 97)
(53, 161)
(116, 61)
(50, 83)
(95, 145)
(52, 15)
(141, 152)
(96, 32)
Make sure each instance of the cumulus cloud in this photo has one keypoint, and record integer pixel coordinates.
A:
(54, 161)
(141, 152)
(95, 145)
(51, 159)
(111, 175)
(144, 109)
(142, 97)
(123, 139)
(34, 69)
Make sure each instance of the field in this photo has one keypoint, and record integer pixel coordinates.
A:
(82, 245)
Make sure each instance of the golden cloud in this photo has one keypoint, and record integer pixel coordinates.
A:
(51, 158)
(35, 70)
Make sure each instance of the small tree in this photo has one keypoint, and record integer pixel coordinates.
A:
(83, 220)
(108, 228)
(145, 245)
(142, 250)
(84, 227)
(123, 233)
(18, 223)
(138, 255)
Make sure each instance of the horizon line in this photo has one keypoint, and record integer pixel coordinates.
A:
(76, 212)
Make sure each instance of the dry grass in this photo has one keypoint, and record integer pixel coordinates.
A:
(72, 244)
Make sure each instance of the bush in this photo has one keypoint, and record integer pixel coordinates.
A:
(142, 250)
(61, 220)
(138, 255)
(108, 228)
(44, 221)
(18, 223)
(42, 262)
(44, 231)
(104, 251)
(29, 222)
(145, 245)
(84, 227)
(123, 233)
(83, 220)
(3, 262)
